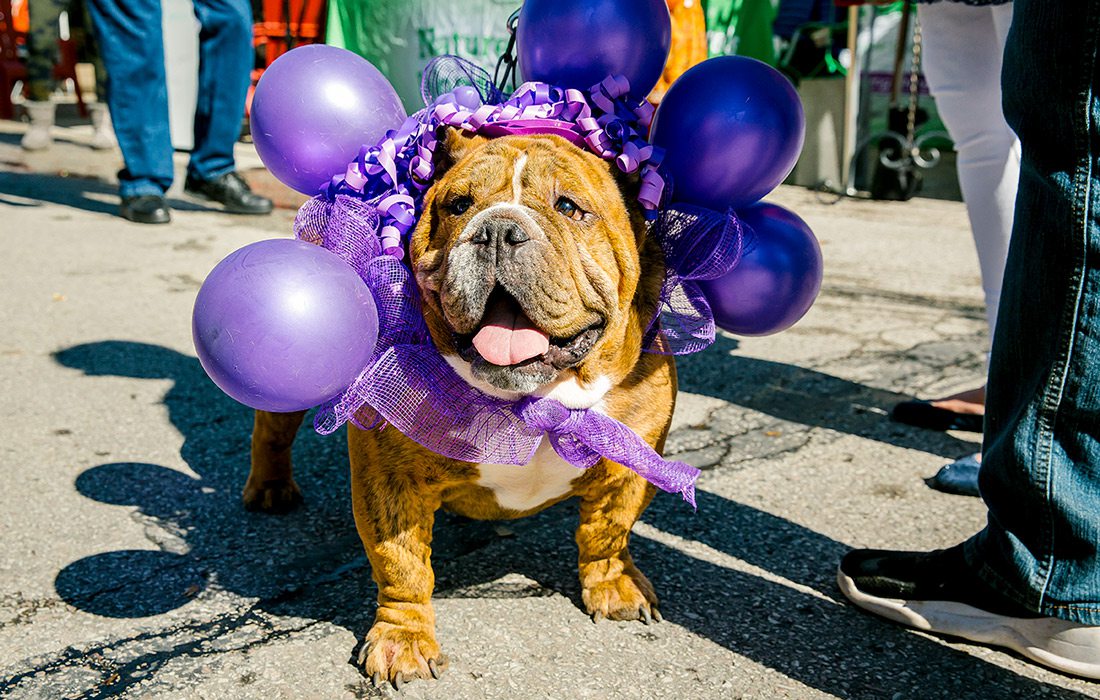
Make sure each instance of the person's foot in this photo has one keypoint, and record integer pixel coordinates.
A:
(962, 411)
(103, 134)
(231, 191)
(937, 592)
(38, 136)
(145, 209)
(959, 477)
(970, 402)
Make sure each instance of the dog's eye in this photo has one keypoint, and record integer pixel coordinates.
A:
(569, 208)
(459, 205)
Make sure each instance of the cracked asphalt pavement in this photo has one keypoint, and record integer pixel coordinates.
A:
(129, 568)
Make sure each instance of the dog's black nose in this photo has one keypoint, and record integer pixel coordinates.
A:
(497, 231)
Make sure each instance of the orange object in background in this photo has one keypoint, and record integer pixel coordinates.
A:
(689, 43)
(21, 17)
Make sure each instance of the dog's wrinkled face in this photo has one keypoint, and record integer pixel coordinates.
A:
(527, 259)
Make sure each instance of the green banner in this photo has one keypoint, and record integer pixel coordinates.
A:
(401, 36)
(742, 27)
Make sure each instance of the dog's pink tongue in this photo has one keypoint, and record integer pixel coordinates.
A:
(508, 337)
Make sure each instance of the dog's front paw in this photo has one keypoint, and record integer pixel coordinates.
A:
(396, 655)
(617, 591)
(271, 496)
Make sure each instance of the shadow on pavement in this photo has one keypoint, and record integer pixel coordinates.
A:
(308, 566)
(85, 193)
(809, 397)
(207, 535)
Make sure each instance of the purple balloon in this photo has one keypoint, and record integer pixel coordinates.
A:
(282, 325)
(467, 96)
(314, 107)
(776, 281)
(732, 128)
(578, 43)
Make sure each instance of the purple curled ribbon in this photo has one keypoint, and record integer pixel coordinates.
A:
(393, 174)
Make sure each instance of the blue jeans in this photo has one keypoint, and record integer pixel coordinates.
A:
(132, 45)
(1040, 474)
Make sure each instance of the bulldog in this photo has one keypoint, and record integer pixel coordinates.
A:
(536, 277)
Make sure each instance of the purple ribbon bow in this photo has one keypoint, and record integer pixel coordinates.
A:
(582, 437)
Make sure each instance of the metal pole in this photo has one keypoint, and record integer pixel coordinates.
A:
(851, 98)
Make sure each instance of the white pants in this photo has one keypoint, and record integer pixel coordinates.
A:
(963, 46)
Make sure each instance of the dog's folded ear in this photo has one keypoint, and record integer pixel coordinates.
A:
(454, 144)
(630, 185)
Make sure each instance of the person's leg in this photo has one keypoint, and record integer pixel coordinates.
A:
(962, 54)
(79, 8)
(103, 135)
(1030, 580)
(1041, 471)
(42, 54)
(42, 50)
(128, 33)
(225, 66)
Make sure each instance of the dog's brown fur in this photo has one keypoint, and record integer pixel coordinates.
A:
(602, 267)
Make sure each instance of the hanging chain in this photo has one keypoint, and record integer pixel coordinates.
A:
(508, 60)
(914, 83)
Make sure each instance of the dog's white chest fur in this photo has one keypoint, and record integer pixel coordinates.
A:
(546, 477)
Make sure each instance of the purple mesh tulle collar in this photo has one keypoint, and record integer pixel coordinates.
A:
(366, 214)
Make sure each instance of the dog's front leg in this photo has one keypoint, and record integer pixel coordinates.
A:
(394, 513)
(270, 486)
(611, 586)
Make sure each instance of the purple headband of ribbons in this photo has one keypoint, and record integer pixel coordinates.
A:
(366, 214)
(394, 174)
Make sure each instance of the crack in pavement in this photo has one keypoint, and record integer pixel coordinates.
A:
(120, 665)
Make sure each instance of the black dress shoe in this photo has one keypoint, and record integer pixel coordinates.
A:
(231, 191)
(924, 415)
(145, 209)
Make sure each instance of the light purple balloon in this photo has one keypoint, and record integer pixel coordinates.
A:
(314, 107)
(732, 128)
(776, 281)
(578, 43)
(282, 325)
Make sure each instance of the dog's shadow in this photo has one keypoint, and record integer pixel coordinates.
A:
(202, 534)
(309, 564)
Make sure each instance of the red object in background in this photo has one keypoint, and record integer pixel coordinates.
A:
(284, 25)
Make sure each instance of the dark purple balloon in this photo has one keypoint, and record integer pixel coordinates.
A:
(314, 107)
(282, 325)
(732, 128)
(578, 43)
(776, 282)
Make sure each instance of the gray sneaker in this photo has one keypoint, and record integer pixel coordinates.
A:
(937, 592)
